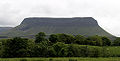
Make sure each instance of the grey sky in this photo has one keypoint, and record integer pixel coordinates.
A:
(106, 12)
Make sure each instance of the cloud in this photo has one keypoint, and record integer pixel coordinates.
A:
(106, 12)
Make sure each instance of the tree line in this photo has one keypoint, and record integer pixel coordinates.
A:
(57, 45)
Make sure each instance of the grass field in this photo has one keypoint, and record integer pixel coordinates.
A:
(60, 59)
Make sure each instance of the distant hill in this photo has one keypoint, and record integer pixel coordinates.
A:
(4, 29)
(87, 26)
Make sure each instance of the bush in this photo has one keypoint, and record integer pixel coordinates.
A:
(50, 59)
(72, 59)
(23, 59)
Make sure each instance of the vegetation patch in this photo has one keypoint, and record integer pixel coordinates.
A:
(59, 45)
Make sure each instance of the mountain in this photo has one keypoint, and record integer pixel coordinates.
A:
(87, 26)
(4, 29)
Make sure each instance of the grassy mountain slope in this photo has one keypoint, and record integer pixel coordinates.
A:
(4, 29)
(79, 25)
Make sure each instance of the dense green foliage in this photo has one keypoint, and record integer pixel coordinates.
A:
(117, 42)
(40, 37)
(59, 45)
(17, 47)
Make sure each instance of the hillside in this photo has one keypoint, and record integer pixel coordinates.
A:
(79, 25)
(4, 29)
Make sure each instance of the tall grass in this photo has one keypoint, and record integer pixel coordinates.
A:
(61, 59)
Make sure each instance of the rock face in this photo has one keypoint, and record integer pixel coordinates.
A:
(87, 26)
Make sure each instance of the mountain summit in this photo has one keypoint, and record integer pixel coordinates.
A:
(87, 26)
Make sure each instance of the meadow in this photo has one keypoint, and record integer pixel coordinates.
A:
(61, 59)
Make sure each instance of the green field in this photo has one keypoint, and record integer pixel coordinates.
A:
(60, 59)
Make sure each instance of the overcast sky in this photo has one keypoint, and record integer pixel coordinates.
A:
(106, 12)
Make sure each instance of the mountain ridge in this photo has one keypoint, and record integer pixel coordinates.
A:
(77, 25)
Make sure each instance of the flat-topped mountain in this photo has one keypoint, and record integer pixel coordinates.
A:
(87, 26)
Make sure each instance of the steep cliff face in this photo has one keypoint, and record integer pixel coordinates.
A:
(79, 25)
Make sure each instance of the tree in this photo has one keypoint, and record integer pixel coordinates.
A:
(53, 38)
(73, 50)
(63, 52)
(40, 37)
(1, 49)
(95, 40)
(57, 47)
(79, 39)
(17, 47)
(116, 42)
(51, 52)
(67, 39)
(94, 51)
(70, 50)
(106, 41)
(39, 50)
